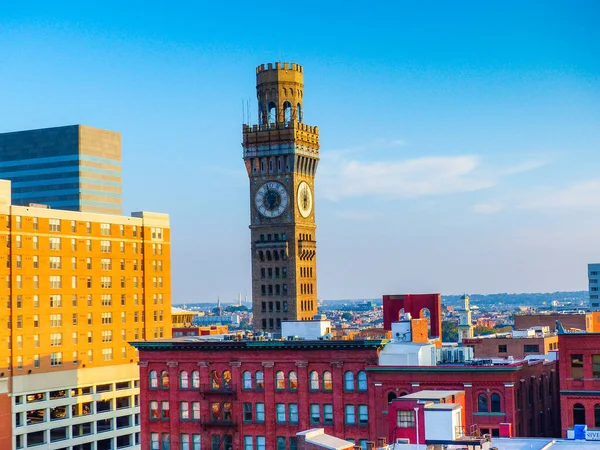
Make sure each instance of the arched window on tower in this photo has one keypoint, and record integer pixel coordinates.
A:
(272, 112)
(260, 113)
(287, 112)
(299, 112)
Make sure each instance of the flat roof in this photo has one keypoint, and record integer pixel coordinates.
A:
(442, 406)
(540, 444)
(430, 394)
(194, 343)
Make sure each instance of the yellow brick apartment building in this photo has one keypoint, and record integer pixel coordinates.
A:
(75, 288)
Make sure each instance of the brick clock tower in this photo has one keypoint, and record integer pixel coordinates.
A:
(281, 154)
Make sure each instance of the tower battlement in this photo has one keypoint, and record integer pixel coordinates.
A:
(281, 126)
(279, 66)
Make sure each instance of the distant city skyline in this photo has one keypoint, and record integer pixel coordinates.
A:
(458, 142)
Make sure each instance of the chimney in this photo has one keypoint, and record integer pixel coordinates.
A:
(370, 445)
(381, 442)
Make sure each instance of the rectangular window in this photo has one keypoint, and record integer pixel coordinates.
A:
(105, 246)
(260, 412)
(260, 443)
(55, 301)
(293, 409)
(363, 414)
(154, 441)
(247, 412)
(195, 410)
(107, 354)
(531, 348)
(56, 320)
(248, 444)
(596, 366)
(56, 359)
(153, 410)
(328, 414)
(315, 413)
(281, 443)
(280, 409)
(54, 224)
(405, 419)
(502, 348)
(55, 262)
(350, 415)
(164, 408)
(105, 229)
(577, 366)
(54, 243)
(184, 412)
(55, 281)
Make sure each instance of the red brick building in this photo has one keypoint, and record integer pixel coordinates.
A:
(579, 367)
(254, 394)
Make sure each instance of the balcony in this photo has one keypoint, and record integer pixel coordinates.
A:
(224, 389)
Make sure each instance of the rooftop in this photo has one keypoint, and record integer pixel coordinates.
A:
(429, 394)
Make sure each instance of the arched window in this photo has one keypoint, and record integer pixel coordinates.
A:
(314, 381)
(495, 402)
(153, 377)
(276, 255)
(597, 415)
(482, 403)
(261, 255)
(299, 112)
(269, 255)
(279, 380)
(327, 381)
(391, 396)
(348, 381)
(287, 112)
(226, 379)
(260, 380)
(184, 382)
(362, 381)
(215, 380)
(195, 379)
(293, 381)
(578, 414)
(247, 380)
(164, 379)
(272, 112)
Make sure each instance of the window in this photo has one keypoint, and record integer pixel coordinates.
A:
(19, 241)
(363, 414)
(502, 348)
(54, 243)
(164, 379)
(56, 359)
(596, 366)
(328, 414)
(154, 441)
(55, 301)
(105, 229)
(362, 381)
(279, 380)
(36, 262)
(327, 381)
(248, 444)
(314, 381)
(260, 443)
(578, 414)
(184, 382)
(105, 246)
(280, 411)
(185, 441)
(55, 339)
(164, 410)
(577, 366)
(293, 410)
(195, 379)
(107, 354)
(247, 412)
(495, 402)
(597, 415)
(184, 412)
(281, 443)
(246, 380)
(195, 410)
(531, 348)
(166, 441)
(350, 415)
(55, 281)
(56, 320)
(54, 262)
(293, 381)
(482, 403)
(106, 318)
(153, 378)
(54, 224)
(260, 412)
(405, 419)
(348, 381)
(315, 413)
(260, 380)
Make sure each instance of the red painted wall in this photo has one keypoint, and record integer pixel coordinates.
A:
(584, 391)
(5, 422)
(413, 304)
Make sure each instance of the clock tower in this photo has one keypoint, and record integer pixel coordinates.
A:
(281, 154)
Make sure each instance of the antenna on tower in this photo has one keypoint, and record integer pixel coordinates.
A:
(243, 112)
(249, 112)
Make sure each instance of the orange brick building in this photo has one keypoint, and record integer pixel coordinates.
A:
(75, 288)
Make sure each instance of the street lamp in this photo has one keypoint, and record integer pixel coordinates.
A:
(417, 423)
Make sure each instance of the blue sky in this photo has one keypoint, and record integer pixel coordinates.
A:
(459, 140)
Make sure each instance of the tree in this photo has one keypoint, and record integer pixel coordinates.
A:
(347, 316)
(449, 331)
(482, 331)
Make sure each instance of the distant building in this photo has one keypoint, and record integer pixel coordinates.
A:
(593, 276)
(76, 168)
(518, 344)
(465, 319)
(571, 320)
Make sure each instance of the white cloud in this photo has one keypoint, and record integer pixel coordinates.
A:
(487, 208)
(582, 194)
(410, 178)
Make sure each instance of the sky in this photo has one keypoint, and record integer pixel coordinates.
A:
(459, 140)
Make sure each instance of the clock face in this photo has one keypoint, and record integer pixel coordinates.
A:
(271, 199)
(305, 199)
